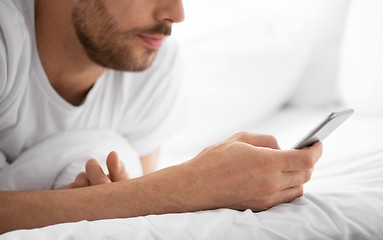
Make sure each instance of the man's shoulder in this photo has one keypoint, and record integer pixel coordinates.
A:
(14, 28)
(12, 12)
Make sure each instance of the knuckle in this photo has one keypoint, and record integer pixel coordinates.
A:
(228, 150)
(269, 141)
(307, 175)
(269, 189)
(256, 205)
(300, 191)
(100, 180)
(240, 135)
(215, 147)
(91, 164)
(78, 182)
(272, 140)
(212, 150)
(309, 161)
(274, 187)
(264, 205)
(234, 146)
(81, 175)
(81, 180)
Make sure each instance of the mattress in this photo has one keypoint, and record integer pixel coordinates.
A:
(343, 200)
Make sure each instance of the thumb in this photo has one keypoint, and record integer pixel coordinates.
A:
(117, 171)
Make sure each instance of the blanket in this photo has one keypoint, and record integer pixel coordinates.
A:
(56, 161)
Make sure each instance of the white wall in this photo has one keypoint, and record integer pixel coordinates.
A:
(246, 59)
(361, 72)
(266, 42)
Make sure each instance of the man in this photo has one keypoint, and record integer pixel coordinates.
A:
(82, 44)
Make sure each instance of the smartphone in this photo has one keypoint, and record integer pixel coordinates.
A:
(324, 128)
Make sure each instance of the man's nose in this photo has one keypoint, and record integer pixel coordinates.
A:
(171, 11)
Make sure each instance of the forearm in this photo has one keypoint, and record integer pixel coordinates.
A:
(234, 174)
(42, 208)
(153, 194)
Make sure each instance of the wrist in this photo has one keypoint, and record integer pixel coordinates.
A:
(170, 190)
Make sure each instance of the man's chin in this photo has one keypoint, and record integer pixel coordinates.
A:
(129, 64)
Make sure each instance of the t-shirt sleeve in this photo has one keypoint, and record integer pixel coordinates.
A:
(15, 57)
(158, 104)
(3, 77)
(3, 63)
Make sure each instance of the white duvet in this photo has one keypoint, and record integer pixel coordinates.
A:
(344, 199)
(55, 162)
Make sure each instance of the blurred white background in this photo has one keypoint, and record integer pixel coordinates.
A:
(245, 60)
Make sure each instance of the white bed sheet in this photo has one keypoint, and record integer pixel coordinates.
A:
(344, 199)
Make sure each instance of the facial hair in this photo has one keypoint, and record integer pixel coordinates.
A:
(109, 46)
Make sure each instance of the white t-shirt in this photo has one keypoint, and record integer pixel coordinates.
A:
(139, 106)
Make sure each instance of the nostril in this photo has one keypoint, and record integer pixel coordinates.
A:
(172, 11)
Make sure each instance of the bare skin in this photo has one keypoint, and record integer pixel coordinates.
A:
(68, 67)
(244, 171)
(149, 162)
(94, 175)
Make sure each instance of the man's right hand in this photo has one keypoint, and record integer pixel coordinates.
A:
(250, 171)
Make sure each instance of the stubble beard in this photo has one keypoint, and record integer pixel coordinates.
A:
(107, 45)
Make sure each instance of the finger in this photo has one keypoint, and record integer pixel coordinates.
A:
(279, 197)
(295, 160)
(117, 171)
(81, 181)
(287, 195)
(296, 178)
(256, 140)
(267, 202)
(95, 174)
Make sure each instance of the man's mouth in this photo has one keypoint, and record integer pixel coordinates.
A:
(153, 41)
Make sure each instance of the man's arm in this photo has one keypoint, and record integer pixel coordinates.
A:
(119, 199)
(246, 171)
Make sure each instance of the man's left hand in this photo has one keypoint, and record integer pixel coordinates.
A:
(94, 175)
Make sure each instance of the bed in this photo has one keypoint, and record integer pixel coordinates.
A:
(343, 200)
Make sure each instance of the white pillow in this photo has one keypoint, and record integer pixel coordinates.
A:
(242, 62)
(361, 74)
(325, 21)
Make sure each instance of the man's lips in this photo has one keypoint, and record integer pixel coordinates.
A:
(153, 41)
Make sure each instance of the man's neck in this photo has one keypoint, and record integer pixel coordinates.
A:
(71, 73)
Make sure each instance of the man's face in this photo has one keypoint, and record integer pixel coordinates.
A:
(125, 34)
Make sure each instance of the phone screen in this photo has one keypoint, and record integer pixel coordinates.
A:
(324, 128)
